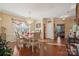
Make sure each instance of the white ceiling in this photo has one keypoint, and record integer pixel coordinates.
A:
(39, 10)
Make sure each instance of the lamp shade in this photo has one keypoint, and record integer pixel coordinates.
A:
(0, 18)
(29, 21)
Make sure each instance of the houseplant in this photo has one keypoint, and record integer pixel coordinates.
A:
(4, 50)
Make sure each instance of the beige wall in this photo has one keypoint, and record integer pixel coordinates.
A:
(0, 20)
(68, 22)
(7, 23)
(58, 21)
(41, 28)
(45, 21)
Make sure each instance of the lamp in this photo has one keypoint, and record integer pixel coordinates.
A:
(30, 21)
(65, 16)
(0, 18)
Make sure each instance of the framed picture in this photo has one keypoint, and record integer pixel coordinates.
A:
(38, 25)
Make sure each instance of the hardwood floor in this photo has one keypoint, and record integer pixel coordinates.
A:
(51, 48)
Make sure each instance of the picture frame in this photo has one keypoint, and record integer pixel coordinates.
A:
(38, 25)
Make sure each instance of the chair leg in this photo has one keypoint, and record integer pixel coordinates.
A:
(32, 48)
(39, 45)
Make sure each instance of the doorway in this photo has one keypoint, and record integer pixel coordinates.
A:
(49, 30)
(60, 30)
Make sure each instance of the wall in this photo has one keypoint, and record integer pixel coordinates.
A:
(41, 28)
(45, 22)
(68, 24)
(0, 23)
(7, 23)
(37, 22)
(58, 21)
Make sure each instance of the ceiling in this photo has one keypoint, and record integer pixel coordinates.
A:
(39, 10)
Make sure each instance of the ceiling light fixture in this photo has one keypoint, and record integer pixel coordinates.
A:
(30, 21)
(0, 18)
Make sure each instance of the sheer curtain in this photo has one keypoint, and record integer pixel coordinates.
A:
(19, 28)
